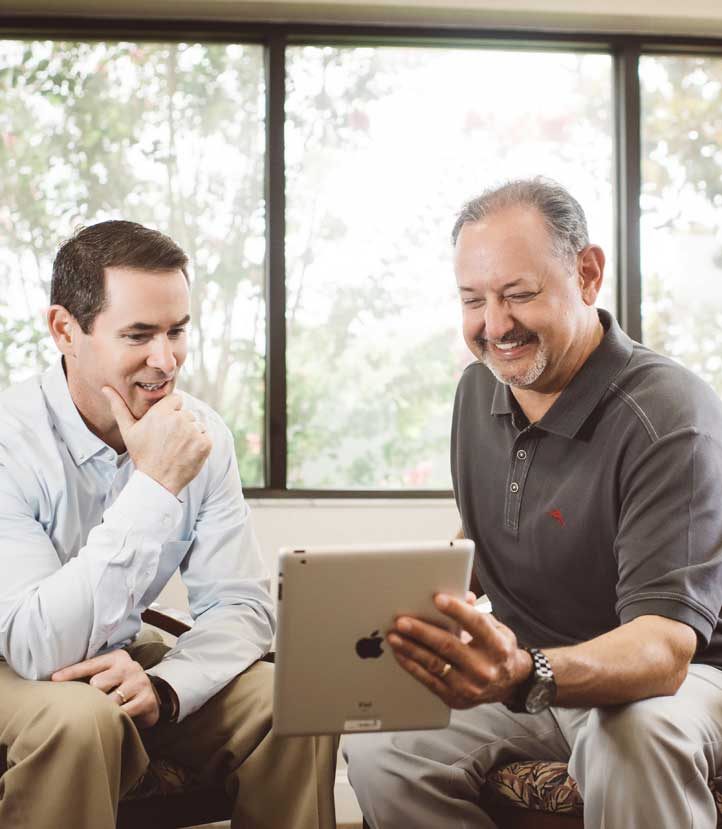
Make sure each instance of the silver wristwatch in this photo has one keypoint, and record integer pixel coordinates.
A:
(538, 690)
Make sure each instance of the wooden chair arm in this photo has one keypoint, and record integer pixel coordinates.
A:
(167, 623)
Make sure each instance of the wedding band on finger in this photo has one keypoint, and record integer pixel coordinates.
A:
(122, 696)
(445, 670)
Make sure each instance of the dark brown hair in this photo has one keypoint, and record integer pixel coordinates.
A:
(78, 282)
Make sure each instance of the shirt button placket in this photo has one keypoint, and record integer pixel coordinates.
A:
(519, 458)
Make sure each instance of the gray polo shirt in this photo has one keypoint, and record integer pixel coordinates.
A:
(608, 508)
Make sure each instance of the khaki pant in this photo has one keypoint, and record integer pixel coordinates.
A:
(71, 753)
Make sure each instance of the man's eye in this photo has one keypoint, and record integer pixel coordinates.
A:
(138, 338)
(473, 303)
(525, 296)
(176, 332)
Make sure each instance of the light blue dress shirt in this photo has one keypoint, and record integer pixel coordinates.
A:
(87, 542)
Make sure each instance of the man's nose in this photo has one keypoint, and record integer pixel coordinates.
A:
(162, 356)
(497, 321)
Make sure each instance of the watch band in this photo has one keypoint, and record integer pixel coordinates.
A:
(538, 690)
(167, 700)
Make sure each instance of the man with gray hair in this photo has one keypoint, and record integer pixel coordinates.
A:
(587, 470)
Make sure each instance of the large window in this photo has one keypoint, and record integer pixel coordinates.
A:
(383, 145)
(166, 134)
(352, 167)
(682, 210)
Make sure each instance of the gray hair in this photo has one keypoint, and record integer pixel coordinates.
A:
(562, 212)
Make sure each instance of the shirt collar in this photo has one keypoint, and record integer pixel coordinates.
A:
(586, 389)
(501, 403)
(81, 442)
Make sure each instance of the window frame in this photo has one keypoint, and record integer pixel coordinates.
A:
(624, 49)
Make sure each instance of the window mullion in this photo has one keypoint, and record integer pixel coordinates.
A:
(628, 186)
(275, 409)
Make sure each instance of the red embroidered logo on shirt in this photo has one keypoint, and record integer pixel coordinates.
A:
(556, 514)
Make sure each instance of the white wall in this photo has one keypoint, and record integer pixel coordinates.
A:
(302, 522)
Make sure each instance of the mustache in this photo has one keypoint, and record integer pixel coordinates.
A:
(519, 335)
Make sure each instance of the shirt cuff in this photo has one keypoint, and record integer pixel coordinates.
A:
(190, 697)
(147, 507)
(192, 685)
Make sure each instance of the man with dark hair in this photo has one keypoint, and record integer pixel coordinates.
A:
(109, 481)
(78, 282)
(588, 470)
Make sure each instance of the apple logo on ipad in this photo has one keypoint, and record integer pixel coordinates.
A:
(369, 647)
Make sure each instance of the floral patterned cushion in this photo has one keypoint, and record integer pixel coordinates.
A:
(541, 785)
(546, 786)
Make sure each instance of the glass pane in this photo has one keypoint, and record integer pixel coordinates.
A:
(681, 205)
(383, 147)
(169, 135)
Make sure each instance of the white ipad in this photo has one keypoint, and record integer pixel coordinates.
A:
(335, 673)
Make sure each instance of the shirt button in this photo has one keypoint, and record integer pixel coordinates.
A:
(166, 520)
(521, 454)
(514, 486)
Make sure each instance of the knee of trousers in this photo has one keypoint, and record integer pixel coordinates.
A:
(249, 696)
(379, 772)
(73, 719)
(640, 737)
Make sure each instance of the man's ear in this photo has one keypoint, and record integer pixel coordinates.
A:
(64, 329)
(590, 272)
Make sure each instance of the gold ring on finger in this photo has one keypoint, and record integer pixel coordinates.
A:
(445, 670)
(122, 696)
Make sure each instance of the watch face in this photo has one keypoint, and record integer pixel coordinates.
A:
(539, 697)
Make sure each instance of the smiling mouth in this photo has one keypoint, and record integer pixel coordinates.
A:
(507, 345)
(153, 386)
(510, 346)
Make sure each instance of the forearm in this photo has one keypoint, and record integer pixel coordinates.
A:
(646, 657)
(73, 610)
